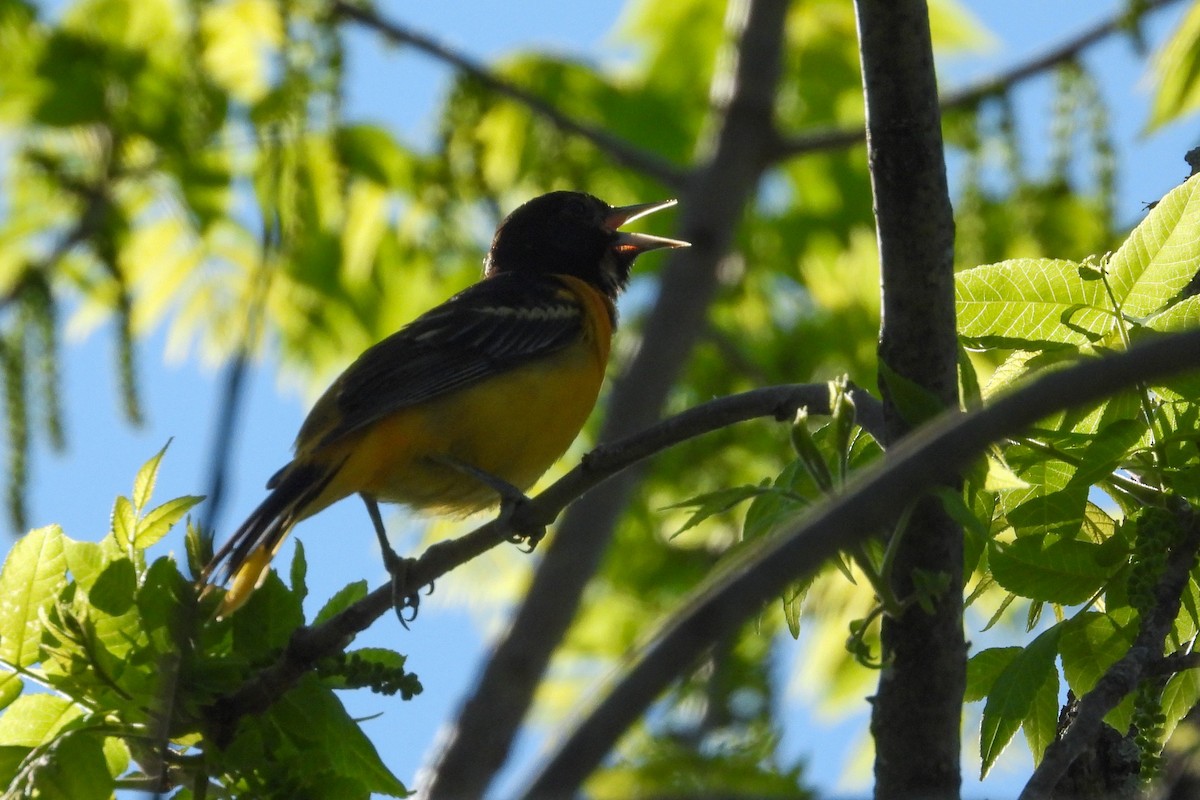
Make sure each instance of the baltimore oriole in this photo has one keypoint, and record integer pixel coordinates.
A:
(475, 397)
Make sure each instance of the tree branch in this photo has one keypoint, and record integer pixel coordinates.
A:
(1122, 677)
(620, 150)
(916, 716)
(736, 592)
(309, 644)
(833, 138)
(731, 161)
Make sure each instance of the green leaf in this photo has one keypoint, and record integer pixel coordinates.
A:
(769, 510)
(718, 502)
(1000, 477)
(345, 597)
(11, 758)
(143, 482)
(1022, 365)
(1181, 316)
(239, 39)
(915, 402)
(975, 519)
(11, 686)
(793, 603)
(124, 522)
(1176, 71)
(267, 621)
(313, 717)
(158, 521)
(1040, 725)
(204, 179)
(1030, 304)
(1091, 643)
(30, 580)
(1178, 698)
(1050, 503)
(160, 601)
(984, 668)
(1160, 256)
(116, 755)
(85, 560)
(1064, 571)
(113, 591)
(34, 719)
(74, 86)
(299, 572)
(969, 388)
(1013, 695)
(74, 769)
(372, 151)
(199, 549)
(1107, 449)
(381, 656)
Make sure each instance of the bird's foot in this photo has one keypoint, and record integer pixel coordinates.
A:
(404, 602)
(515, 515)
(515, 506)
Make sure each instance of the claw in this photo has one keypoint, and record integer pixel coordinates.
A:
(523, 530)
(402, 599)
(513, 504)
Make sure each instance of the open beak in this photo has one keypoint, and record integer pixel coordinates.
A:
(635, 243)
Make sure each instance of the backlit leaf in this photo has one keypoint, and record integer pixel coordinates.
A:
(1013, 695)
(1030, 303)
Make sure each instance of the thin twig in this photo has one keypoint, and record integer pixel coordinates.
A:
(824, 140)
(619, 149)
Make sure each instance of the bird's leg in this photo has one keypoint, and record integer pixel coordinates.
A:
(512, 502)
(397, 567)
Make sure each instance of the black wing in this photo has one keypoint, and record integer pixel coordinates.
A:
(494, 325)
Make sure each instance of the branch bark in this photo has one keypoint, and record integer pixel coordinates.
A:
(736, 592)
(916, 716)
(732, 161)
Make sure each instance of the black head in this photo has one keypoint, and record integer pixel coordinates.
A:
(572, 233)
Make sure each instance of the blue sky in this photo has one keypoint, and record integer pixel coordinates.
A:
(399, 89)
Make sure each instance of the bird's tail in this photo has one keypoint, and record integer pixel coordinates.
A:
(243, 561)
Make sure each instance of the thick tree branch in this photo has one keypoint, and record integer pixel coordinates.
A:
(916, 716)
(731, 162)
(736, 592)
(310, 644)
(1123, 676)
(1068, 50)
(620, 150)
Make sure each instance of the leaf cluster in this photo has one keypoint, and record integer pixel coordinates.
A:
(1083, 505)
(113, 667)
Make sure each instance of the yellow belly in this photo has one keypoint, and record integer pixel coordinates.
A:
(513, 426)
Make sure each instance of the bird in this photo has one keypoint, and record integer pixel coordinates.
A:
(469, 404)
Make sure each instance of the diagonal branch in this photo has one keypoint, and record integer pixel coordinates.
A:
(835, 138)
(735, 594)
(620, 150)
(1121, 678)
(309, 644)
